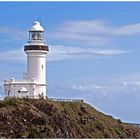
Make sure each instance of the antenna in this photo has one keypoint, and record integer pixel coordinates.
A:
(36, 19)
(39, 18)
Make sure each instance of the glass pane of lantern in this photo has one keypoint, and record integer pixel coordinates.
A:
(38, 36)
(34, 36)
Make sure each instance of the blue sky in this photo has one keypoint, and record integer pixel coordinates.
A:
(94, 51)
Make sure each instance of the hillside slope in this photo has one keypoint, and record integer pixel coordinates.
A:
(40, 118)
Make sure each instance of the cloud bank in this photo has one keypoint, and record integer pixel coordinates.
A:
(95, 32)
(86, 34)
(13, 33)
(126, 87)
(60, 52)
(13, 55)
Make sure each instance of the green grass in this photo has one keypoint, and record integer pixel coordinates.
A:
(40, 118)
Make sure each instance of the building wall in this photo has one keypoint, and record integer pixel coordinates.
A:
(41, 89)
(36, 65)
(33, 89)
(13, 89)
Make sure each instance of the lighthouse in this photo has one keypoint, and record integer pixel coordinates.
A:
(36, 51)
(33, 84)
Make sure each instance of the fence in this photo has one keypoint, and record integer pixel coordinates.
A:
(65, 100)
(134, 124)
(51, 99)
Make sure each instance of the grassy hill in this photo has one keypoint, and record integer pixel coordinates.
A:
(40, 118)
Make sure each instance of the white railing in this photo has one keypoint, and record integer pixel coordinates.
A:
(134, 124)
(65, 100)
(45, 97)
(19, 81)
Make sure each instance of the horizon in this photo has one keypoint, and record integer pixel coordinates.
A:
(94, 51)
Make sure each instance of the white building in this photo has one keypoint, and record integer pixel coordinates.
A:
(33, 84)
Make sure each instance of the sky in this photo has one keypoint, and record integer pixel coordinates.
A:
(94, 51)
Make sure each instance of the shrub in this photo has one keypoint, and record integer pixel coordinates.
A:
(119, 121)
(32, 133)
(10, 101)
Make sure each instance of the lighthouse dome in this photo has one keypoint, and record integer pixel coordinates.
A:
(36, 27)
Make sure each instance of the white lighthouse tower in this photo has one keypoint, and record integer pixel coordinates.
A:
(36, 51)
(33, 84)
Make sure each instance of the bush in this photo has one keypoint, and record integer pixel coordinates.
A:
(10, 101)
(119, 121)
(118, 130)
(32, 133)
(26, 99)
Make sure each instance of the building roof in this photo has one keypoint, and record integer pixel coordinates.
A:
(36, 27)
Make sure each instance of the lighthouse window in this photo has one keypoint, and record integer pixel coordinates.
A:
(34, 36)
(38, 36)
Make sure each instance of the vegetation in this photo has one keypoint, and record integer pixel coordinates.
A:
(40, 118)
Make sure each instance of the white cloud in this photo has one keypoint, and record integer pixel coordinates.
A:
(93, 89)
(126, 87)
(133, 86)
(13, 33)
(13, 55)
(89, 87)
(98, 26)
(83, 39)
(131, 29)
(59, 52)
(131, 83)
(84, 26)
(92, 32)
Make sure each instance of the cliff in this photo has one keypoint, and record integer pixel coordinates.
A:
(40, 118)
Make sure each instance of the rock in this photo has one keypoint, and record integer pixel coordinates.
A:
(83, 109)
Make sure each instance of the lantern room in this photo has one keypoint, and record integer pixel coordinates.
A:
(36, 34)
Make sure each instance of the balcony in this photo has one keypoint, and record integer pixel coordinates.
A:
(36, 47)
